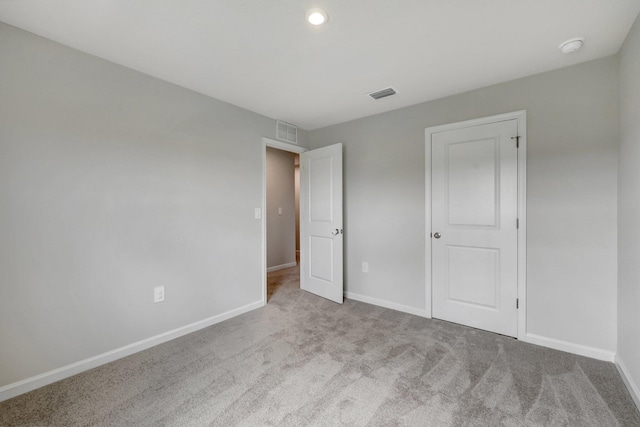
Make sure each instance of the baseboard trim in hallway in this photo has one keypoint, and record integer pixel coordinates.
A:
(281, 267)
(41, 380)
(386, 304)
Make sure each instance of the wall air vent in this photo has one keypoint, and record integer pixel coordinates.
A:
(382, 93)
(286, 132)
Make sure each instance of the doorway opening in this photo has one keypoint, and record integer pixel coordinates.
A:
(321, 228)
(281, 218)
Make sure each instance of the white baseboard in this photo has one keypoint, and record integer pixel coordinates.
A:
(581, 350)
(386, 304)
(281, 267)
(26, 385)
(633, 388)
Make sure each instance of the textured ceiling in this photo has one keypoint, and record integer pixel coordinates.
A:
(263, 56)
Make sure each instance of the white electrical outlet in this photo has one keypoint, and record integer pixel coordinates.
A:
(257, 213)
(158, 294)
(279, 211)
(365, 267)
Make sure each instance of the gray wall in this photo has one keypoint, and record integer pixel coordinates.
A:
(572, 162)
(111, 183)
(281, 229)
(629, 207)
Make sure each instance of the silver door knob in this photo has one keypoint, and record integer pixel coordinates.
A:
(335, 233)
(437, 235)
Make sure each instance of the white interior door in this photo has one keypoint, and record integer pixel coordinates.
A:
(321, 232)
(474, 230)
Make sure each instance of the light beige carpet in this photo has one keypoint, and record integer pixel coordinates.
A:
(305, 361)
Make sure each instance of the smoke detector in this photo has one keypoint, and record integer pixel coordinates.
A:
(571, 45)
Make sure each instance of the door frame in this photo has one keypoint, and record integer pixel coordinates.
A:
(521, 117)
(284, 146)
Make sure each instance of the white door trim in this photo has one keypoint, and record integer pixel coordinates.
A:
(268, 142)
(521, 117)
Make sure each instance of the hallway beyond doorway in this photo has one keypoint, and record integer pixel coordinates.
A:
(277, 279)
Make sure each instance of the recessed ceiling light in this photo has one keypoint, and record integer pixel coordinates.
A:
(571, 45)
(316, 16)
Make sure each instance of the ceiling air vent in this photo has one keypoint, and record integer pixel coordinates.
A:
(286, 132)
(382, 93)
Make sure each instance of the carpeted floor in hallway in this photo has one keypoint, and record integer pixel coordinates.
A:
(305, 361)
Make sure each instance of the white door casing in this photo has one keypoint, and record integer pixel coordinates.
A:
(321, 231)
(474, 213)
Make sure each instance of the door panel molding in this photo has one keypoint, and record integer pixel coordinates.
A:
(520, 117)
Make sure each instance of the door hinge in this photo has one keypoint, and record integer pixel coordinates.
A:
(517, 138)
(517, 303)
(517, 223)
